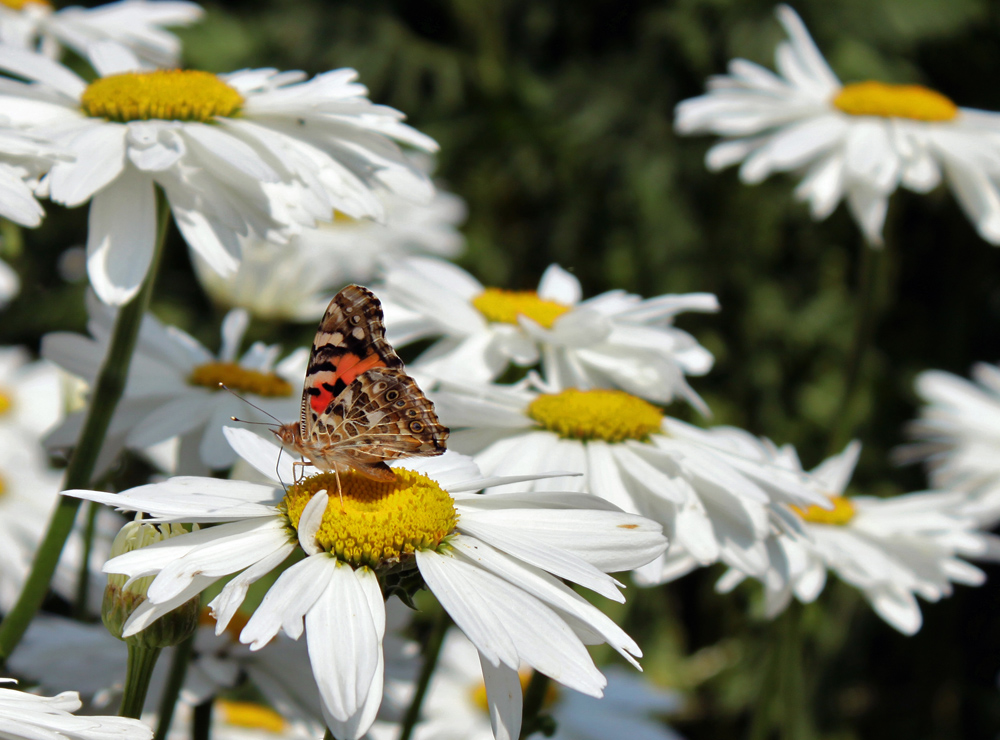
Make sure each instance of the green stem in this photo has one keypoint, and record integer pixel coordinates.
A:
(83, 577)
(868, 308)
(107, 392)
(175, 681)
(534, 700)
(432, 649)
(782, 701)
(141, 662)
(201, 723)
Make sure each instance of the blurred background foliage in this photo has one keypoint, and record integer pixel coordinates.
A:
(555, 120)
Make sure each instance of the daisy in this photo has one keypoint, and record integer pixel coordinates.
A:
(714, 503)
(173, 386)
(254, 152)
(31, 394)
(137, 24)
(26, 716)
(495, 563)
(959, 436)
(856, 142)
(455, 706)
(891, 549)
(297, 281)
(24, 159)
(615, 339)
(57, 652)
(239, 720)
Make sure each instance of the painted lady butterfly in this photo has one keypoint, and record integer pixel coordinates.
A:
(359, 407)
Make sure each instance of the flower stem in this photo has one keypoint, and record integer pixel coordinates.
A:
(12, 239)
(868, 305)
(107, 392)
(201, 722)
(534, 699)
(141, 662)
(175, 680)
(83, 577)
(432, 649)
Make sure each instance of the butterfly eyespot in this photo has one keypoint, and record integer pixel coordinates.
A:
(392, 395)
(400, 404)
(416, 426)
(355, 320)
(411, 412)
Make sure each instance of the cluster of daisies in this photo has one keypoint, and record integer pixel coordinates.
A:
(285, 189)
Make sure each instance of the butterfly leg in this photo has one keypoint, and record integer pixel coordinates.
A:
(340, 491)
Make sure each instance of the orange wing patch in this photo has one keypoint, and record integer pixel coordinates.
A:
(349, 367)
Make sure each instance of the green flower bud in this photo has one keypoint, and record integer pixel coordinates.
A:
(122, 597)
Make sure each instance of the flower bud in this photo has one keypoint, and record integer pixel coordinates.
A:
(122, 596)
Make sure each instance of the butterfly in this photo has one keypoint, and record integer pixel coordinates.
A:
(359, 407)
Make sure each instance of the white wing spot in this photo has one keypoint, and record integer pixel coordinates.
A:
(358, 333)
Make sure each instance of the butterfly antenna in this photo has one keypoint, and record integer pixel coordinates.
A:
(277, 474)
(253, 405)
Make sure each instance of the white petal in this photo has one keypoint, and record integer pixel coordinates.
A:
(121, 237)
(503, 692)
(344, 643)
(288, 600)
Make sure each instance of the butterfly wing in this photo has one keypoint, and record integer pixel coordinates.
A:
(349, 342)
(382, 415)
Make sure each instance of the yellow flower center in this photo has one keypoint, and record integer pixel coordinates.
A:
(551, 693)
(165, 94)
(343, 219)
(841, 514)
(6, 402)
(20, 4)
(250, 715)
(379, 523)
(613, 416)
(895, 101)
(504, 306)
(3, 487)
(239, 378)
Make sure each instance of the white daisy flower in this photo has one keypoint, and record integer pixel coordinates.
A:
(297, 281)
(24, 159)
(136, 24)
(958, 435)
(714, 503)
(495, 563)
(173, 386)
(239, 720)
(32, 399)
(253, 152)
(26, 716)
(455, 706)
(855, 142)
(890, 549)
(57, 652)
(615, 339)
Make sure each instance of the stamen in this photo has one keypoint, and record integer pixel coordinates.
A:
(379, 523)
(613, 416)
(895, 101)
(250, 715)
(164, 94)
(504, 306)
(238, 378)
(841, 514)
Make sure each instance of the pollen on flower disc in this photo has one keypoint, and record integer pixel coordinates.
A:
(894, 101)
(610, 415)
(164, 94)
(842, 512)
(504, 306)
(238, 378)
(379, 522)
